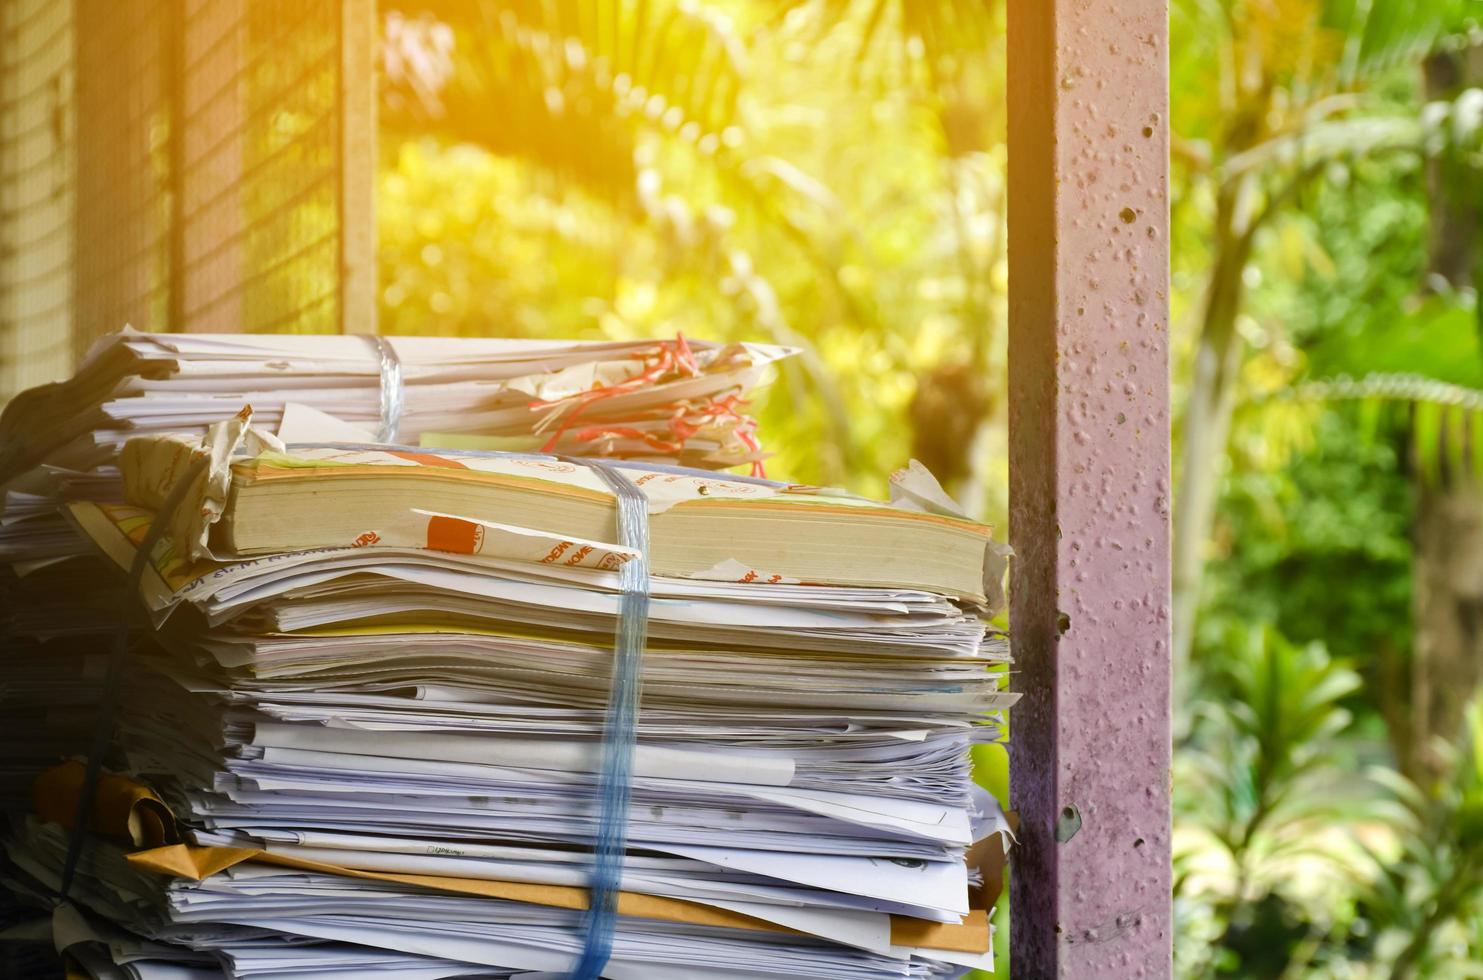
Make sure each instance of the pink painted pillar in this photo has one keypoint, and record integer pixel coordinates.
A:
(1089, 486)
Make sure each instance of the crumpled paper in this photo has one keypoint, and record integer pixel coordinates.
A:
(152, 465)
(914, 488)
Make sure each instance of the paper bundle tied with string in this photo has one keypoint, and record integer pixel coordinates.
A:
(654, 405)
(680, 400)
(435, 712)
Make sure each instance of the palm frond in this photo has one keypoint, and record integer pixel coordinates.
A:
(1439, 880)
(569, 84)
(1263, 747)
(1380, 34)
(1408, 388)
(1444, 420)
(1451, 126)
(944, 30)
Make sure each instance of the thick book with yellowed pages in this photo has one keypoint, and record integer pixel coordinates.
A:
(700, 525)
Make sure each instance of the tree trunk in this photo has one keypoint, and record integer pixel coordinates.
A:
(1452, 179)
(1447, 567)
(1447, 598)
(1207, 422)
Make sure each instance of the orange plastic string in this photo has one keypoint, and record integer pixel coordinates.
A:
(684, 423)
(668, 358)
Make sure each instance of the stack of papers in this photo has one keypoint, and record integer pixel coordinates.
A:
(628, 398)
(677, 401)
(381, 752)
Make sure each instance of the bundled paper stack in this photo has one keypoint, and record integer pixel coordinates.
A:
(674, 401)
(677, 399)
(374, 703)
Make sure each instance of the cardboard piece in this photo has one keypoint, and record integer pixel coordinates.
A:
(989, 856)
(196, 863)
(130, 813)
(123, 810)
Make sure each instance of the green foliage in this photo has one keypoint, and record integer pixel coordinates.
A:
(1262, 793)
(830, 174)
(1426, 901)
(1358, 375)
(1431, 389)
(1383, 35)
(1290, 863)
(1316, 502)
(833, 219)
(1337, 513)
(1434, 338)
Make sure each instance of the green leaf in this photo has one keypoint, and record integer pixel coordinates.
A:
(1438, 341)
(1426, 437)
(1385, 33)
(570, 85)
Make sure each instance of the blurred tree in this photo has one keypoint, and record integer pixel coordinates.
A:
(1318, 503)
(1448, 658)
(1421, 355)
(1290, 80)
(1452, 175)
(824, 173)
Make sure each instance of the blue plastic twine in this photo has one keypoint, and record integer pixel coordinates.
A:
(615, 783)
(620, 730)
(391, 389)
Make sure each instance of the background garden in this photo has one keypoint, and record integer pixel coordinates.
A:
(830, 174)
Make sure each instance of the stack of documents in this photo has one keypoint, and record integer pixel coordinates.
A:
(374, 703)
(678, 401)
